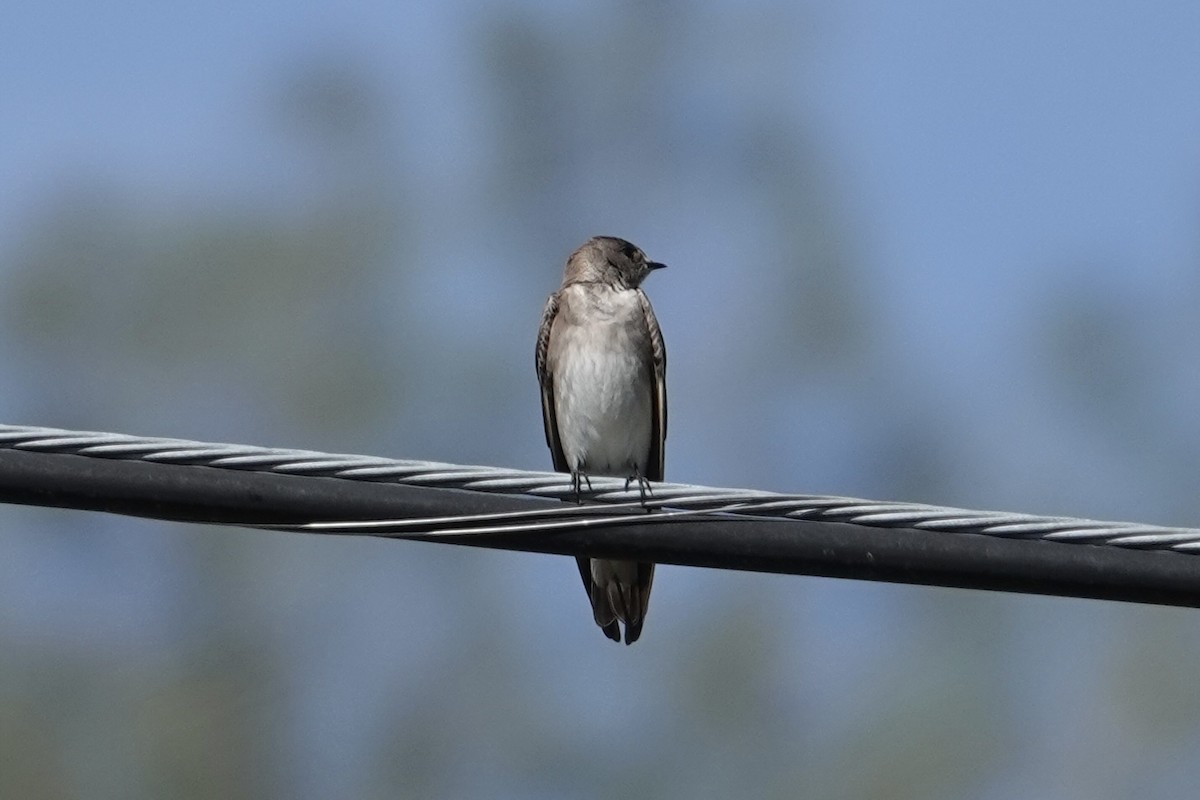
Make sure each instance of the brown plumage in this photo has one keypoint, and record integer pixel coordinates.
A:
(602, 368)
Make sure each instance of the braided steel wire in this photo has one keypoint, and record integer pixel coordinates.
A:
(611, 494)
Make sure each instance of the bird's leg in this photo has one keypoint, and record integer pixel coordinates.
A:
(643, 486)
(577, 480)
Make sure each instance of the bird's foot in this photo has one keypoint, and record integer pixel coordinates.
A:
(643, 487)
(577, 481)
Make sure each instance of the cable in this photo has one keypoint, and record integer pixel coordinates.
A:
(512, 509)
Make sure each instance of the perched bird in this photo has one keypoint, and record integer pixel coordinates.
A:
(602, 368)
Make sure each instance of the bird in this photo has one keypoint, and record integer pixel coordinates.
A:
(602, 368)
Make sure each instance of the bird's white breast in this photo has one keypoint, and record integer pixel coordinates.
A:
(602, 383)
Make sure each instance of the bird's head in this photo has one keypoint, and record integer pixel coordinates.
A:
(607, 259)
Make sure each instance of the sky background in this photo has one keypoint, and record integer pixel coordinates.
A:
(926, 251)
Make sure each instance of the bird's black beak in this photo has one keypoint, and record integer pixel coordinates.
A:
(653, 265)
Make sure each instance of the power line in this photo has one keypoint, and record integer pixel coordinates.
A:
(284, 489)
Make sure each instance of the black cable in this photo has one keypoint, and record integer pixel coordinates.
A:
(205, 494)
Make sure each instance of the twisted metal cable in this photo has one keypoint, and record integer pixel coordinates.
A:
(611, 493)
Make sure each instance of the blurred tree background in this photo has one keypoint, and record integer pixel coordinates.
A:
(926, 253)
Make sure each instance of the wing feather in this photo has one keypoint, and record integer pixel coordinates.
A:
(546, 381)
(655, 465)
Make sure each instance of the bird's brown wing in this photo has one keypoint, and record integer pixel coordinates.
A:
(655, 465)
(546, 380)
